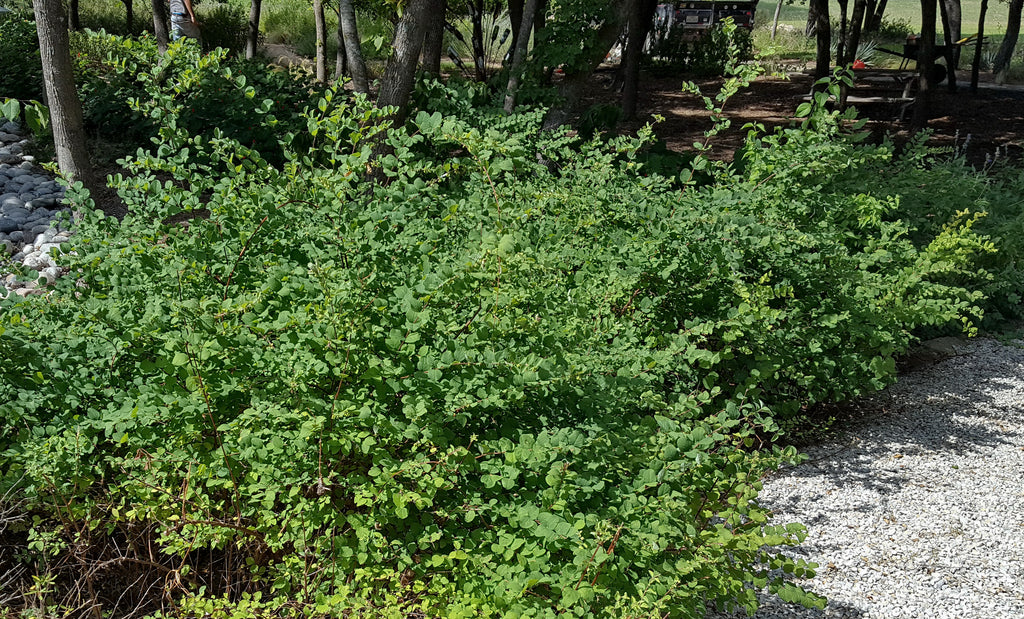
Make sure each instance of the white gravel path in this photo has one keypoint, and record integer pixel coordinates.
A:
(917, 511)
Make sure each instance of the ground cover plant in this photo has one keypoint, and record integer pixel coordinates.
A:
(484, 371)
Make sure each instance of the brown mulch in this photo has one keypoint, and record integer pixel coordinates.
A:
(993, 118)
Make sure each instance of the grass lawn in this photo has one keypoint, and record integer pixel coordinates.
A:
(908, 11)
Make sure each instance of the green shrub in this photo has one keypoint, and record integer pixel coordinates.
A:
(225, 26)
(482, 387)
(22, 77)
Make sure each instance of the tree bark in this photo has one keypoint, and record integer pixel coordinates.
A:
(572, 85)
(515, 18)
(321, 40)
(252, 39)
(875, 18)
(354, 54)
(160, 25)
(76, 20)
(1002, 61)
(775, 19)
(856, 25)
(823, 32)
(433, 41)
(976, 65)
(843, 33)
(397, 81)
(476, 14)
(522, 39)
(639, 25)
(61, 96)
(948, 39)
(925, 64)
(129, 14)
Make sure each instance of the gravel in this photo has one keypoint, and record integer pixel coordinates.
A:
(917, 511)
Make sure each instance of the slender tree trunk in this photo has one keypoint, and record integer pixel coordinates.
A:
(321, 40)
(76, 20)
(775, 19)
(354, 54)
(639, 25)
(519, 53)
(160, 25)
(1002, 61)
(925, 64)
(875, 18)
(129, 14)
(433, 41)
(856, 26)
(811, 26)
(476, 14)
(340, 59)
(572, 85)
(843, 33)
(397, 81)
(950, 53)
(252, 39)
(822, 29)
(515, 17)
(61, 96)
(976, 65)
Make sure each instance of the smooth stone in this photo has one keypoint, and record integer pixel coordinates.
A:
(15, 202)
(17, 236)
(18, 257)
(9, 138)
(51, 274)
(7, 195)
(9, 158)
(27, 197)
(26, 165)
(9, 225)
(37, 230)
(18, 213)
(15, 149)
(45, 248)
(11, 127)
(37, 261)
(28, 158)
(17, 172)
(45, 237)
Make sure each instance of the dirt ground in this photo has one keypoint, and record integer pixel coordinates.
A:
(993, 118)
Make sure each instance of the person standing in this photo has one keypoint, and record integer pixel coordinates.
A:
(183, 20)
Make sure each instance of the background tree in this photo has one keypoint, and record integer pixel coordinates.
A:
(1002, 61)
(976, 63)
(400, 72)
(129, 14)
(353, 53)
(253, 36)
(522, 39)
(926, 64)
(823, 35)
(160, 31)
(433, 41)
(638, 27)
(321, 40)
(61, 96)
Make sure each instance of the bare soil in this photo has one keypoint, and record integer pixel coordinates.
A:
(993, 118)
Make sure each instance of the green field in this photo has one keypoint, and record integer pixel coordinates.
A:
(908, 11)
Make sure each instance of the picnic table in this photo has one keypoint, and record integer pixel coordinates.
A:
(912, 50)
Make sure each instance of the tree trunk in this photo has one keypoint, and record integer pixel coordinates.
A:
(811, 26)
(433, 41)
(76, 20)
(572, 85)
(397, 81)
(522, 39)
(354, 54)
(252, 39)
(160, 25)
(976, 65)
(875, 18)
(515, 18)
(856, 25)
(639, 25)
(925, 64)
(843, 33)
(950, 53)
(476, 14)
(1002, 61)
(129, 14)
(822, 29)
(61, 96)
(340, 59)
(775, 19)
(321, 40)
